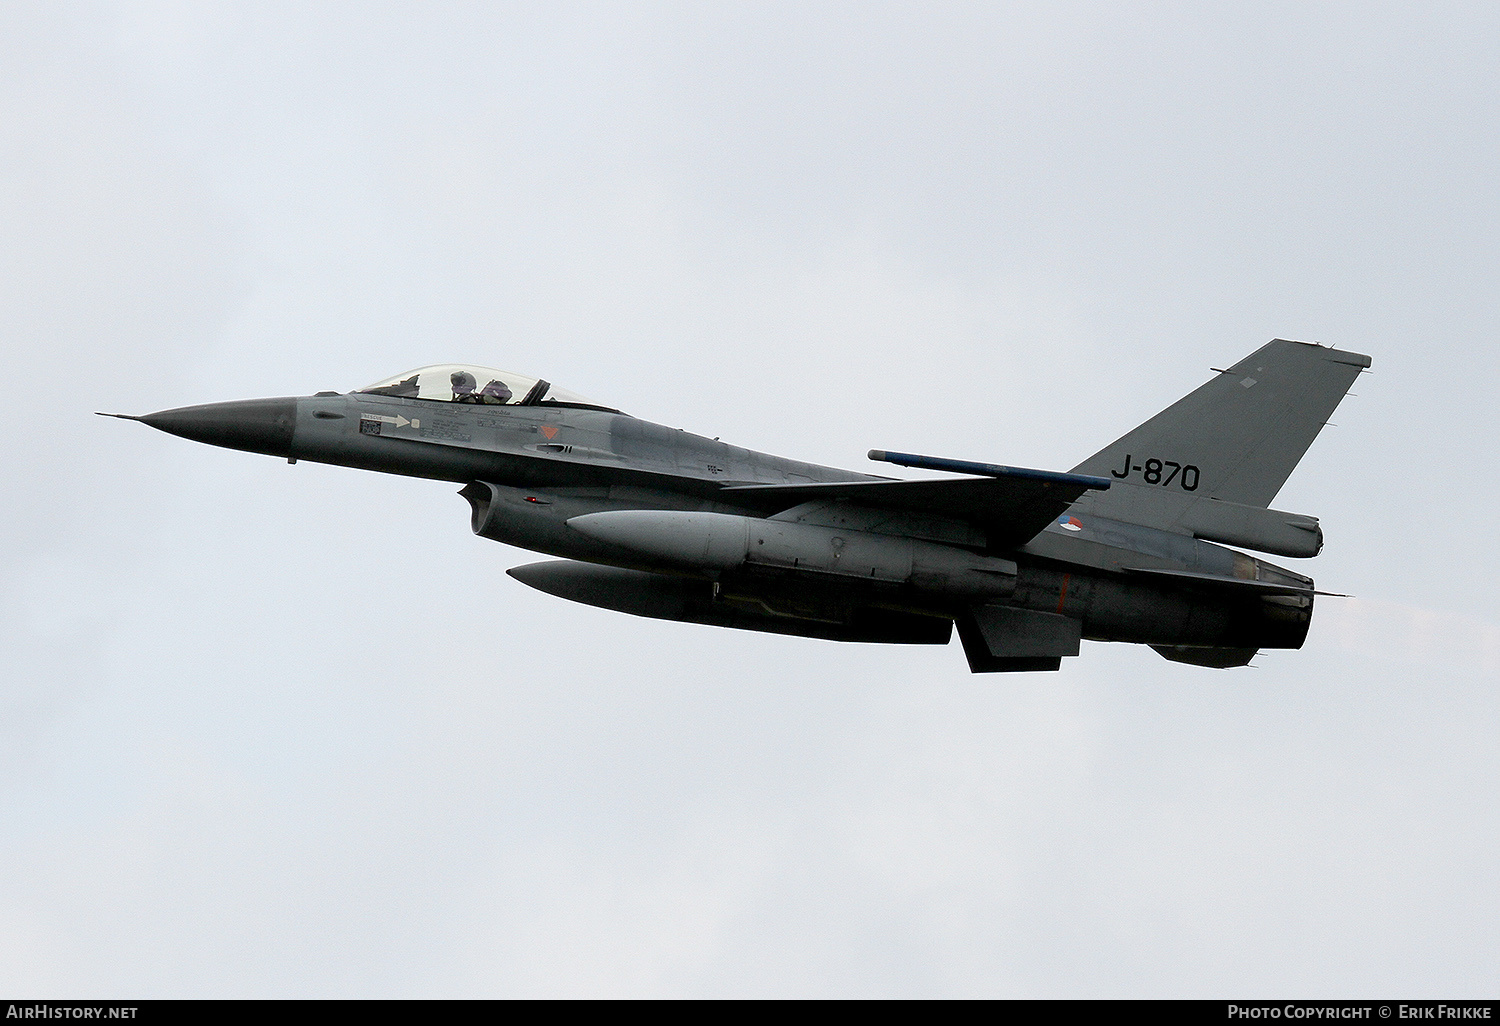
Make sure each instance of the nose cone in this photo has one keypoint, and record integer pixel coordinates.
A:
(255, 425)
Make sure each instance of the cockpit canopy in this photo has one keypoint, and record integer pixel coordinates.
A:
(485, 386)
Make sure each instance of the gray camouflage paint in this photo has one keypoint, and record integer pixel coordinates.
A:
(1121, 564)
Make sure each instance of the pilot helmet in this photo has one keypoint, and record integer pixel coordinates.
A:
(463, 382)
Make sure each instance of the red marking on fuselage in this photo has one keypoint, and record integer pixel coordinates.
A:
(550, 430)
(1064, 596)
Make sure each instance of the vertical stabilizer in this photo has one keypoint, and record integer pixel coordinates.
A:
(1238, 437)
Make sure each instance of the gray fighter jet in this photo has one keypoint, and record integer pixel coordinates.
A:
(1127, 546)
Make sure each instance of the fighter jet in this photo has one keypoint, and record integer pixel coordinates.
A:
(1131, 545)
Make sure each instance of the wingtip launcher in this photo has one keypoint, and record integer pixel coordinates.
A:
(906, 459)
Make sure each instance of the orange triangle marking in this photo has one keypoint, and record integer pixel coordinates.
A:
(549, 430)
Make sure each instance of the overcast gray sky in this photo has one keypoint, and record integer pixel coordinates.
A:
(291, 731)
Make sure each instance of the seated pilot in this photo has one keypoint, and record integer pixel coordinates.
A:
(496, 393)
(463, 387)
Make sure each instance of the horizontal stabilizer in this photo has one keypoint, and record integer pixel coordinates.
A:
(1225, 583)
(1214, 658)
(1254, 527)
(1011, 509)
(1202, 516)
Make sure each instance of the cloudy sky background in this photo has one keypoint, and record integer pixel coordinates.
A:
(291, 731)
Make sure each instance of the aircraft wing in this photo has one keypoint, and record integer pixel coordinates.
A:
(1012, 506)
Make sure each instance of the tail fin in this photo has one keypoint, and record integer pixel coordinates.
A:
(1238, 437)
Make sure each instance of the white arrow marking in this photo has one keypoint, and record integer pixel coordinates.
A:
(397, 420)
